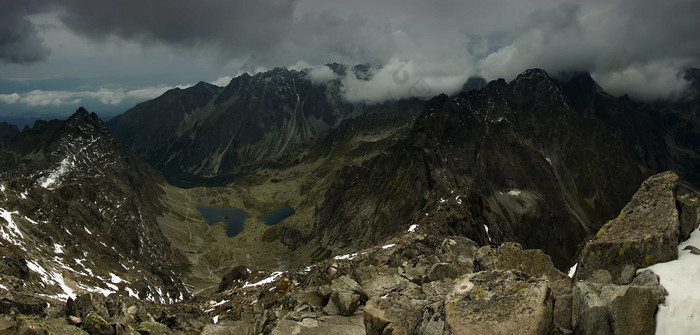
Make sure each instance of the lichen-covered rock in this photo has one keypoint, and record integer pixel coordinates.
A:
(153, 328)
(27, 326)
(21, 303)
(646, 232)
(94, 324)
(613, 309)
(499, 302)
(511, 256)
(352, 325)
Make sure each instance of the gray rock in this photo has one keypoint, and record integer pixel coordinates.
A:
(687, 216)
(394, 314)
(441, 271)
(693, 250)
(511, 256)
(222, 330)
(342, 303)
(352, 325)
(377, 281)
(345, 298)
(646, 232)
(563, 298)
(499, 302)
(613, 309)
(648, 278)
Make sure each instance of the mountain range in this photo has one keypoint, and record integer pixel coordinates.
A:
(539, 161)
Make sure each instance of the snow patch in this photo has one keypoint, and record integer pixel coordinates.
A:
(572, 270)
(2, 187)
(487, 232)
(87, 230)
(267, 280)
(412, 228)
(115, 279)
(514, 193)
(54, 176)
(13, 235)
(215, 319)
(391, 245)
(132, 293)
(348, 257)
(680, 314)
(4, 287)
(57, 248)
(49, 277)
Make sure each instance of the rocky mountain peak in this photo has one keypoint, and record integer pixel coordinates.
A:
(533, 74)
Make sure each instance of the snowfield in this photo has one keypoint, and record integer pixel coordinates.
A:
(680, 314)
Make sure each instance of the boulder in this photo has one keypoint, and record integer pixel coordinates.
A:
(52, 326)
(613, 309)
(22, 304)
(352, 325)
(511, 256)
(85, 303)
(648, 278)
(499, 302)
(347, 295)
(440, 271)
(562, 290)
(688, 215)
(395, 314)
(94, 324)
(377, 281)
(459, 251)
(153, 328)
(646, 232)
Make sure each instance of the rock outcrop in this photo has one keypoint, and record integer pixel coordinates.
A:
(645, 232)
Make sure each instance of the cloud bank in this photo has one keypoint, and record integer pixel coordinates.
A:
(629, 46)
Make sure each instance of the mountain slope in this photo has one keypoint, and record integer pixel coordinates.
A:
(519, 161)
(206, 134)
(79, 211)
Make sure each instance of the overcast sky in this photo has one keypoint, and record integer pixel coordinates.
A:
(109, 55)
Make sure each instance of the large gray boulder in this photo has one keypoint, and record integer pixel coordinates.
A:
(603, 309)
(499, 302)
(646, 232)
(511, 256)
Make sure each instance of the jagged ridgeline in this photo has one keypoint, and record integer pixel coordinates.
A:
(79, 214)
(206, 134)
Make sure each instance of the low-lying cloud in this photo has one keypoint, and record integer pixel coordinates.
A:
(106, 96)
(630, 46)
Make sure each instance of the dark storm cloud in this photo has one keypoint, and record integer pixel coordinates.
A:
(19, 39)
(635, 46)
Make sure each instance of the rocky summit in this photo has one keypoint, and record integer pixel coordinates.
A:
(538, 206)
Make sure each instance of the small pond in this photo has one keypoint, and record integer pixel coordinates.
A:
(281, 214)
(233, 218)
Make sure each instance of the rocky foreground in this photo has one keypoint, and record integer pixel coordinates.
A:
(417, 283)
